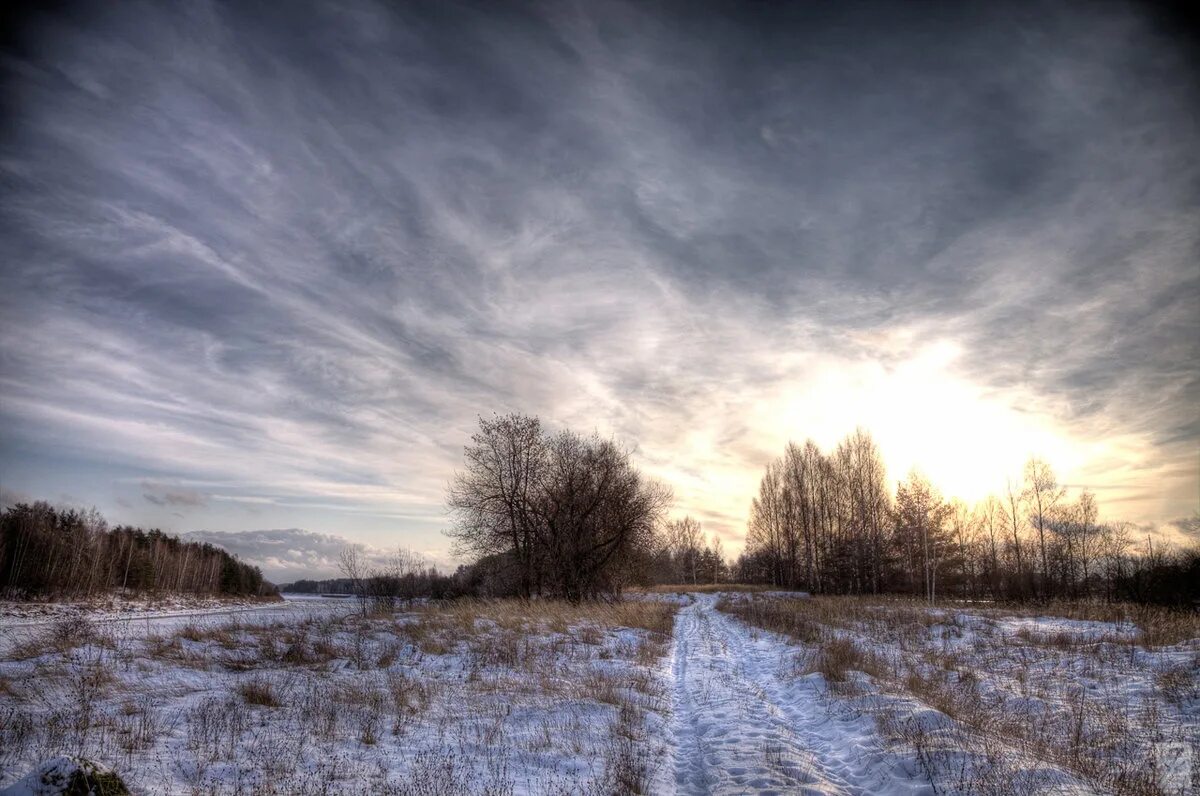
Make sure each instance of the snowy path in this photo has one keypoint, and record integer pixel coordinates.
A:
(740, 728)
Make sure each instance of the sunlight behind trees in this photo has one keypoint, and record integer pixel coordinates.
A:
(926, 414)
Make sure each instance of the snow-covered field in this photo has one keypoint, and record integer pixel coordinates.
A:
(482, 698)
(688, 694)
(743, 724)
(21, 623)
(989, 701)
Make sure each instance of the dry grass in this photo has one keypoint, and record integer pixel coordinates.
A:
(837, 656)
(507, 627)
(555, 615)
(1157, 626)
(1181, 683)
(364, 680)
(1035, 702)
(259, 691)
(786, 616)
(60, 637)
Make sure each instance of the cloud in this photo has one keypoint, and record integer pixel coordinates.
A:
(289, 271)
(161, 495)
(284, 554)
(291, 554)
(11, 497)
(1189, 527)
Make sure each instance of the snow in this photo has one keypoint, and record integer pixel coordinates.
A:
(21, 622)
(1036, 703)
(505, 698)
(1075, 629)
(496, 704)
(742, 728)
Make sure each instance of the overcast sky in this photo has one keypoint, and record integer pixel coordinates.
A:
(263, 264)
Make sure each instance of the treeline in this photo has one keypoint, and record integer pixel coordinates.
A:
(556, 514)
(380, 591)
(398, 578)
(686, 557)
(828, 523)
(50, 552)
(334, 586)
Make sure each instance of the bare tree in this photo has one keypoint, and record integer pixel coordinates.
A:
(493, 498)
(594, 509)
(686, 542)
(768, 528)
(352, 565)
(571, 512)
(45, 551)
(921, 517)
(1116, 539)
(1042, 493)
(862, 473)
(988, 518)
(812, 523)
(1013, 517)
(1087, 515)
(964, 525)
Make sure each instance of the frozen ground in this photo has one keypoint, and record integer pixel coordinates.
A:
(743, 726)
(21, 622)
(467, 698)
(993, 702)
(687, 694)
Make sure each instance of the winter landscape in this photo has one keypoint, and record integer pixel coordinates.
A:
(599, 398)
(662, 692)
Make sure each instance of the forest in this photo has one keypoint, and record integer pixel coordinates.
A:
(829, 523)
(71, 554)
(571, 516)
(541, 514)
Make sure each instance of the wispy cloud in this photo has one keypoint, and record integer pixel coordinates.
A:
(295, 267)
(161, 495)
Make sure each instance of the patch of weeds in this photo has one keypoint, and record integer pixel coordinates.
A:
(259, 691)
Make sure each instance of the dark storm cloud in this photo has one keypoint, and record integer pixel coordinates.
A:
(297, 247)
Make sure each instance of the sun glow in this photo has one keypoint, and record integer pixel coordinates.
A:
(922, 414)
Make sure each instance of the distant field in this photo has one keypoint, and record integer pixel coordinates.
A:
(23, 622)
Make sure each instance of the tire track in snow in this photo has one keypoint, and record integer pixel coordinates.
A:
(740, 729)
(731, 736)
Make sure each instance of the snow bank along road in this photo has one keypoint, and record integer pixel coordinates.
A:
(742, 728)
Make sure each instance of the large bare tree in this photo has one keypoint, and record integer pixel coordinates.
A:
(493, 498)
(572, 512)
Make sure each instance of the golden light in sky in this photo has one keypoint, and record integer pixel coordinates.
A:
(923, 413)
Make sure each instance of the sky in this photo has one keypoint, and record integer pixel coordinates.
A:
(263, 265)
